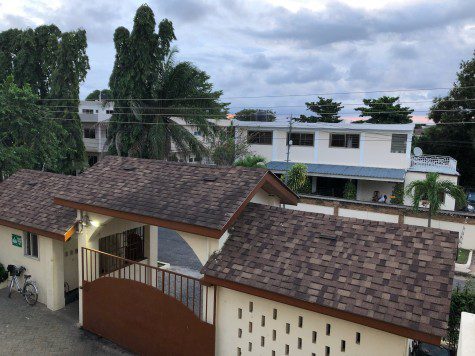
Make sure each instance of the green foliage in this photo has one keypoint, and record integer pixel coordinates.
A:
(296, 177)
(384, 110)
(457, 140)
(327, 110)
(105, 94)
(397, 196)
(53, 64)
(461, 301)
(3, 273)
(145, 68)
(349, 191)
(307, 187)
(29, 137)
(251, 161)
(255, 115)
(433, 190)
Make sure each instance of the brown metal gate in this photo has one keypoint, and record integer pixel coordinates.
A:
(146, 309)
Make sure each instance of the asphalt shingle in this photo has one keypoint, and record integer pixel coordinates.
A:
(398, 274)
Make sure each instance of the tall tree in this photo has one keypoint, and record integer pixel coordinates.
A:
(432, 190)
(150, 89)
(454, 132)
(327, 110)
(255, 115)
(53, 64)
(71, 69)
(29, 136)
(104, 94)
(384, 110)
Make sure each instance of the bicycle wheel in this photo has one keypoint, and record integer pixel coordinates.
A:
(30, 293)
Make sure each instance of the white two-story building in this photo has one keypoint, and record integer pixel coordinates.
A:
(374, 157)
(94, 117)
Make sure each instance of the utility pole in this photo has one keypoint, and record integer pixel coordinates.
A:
(289, 141)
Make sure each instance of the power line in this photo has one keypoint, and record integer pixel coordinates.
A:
(280, 95)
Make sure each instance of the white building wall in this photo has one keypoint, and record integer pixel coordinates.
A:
(377, 152)
(466, 342)
(254, 335)
(46, 270)
(336, 155)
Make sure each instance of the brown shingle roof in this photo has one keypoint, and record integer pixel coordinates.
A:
(397, 274)
(26, 201)
(205, 196)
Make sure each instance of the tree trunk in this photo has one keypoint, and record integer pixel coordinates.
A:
(430, 218)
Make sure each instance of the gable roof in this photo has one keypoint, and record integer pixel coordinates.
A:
(395, 274)
(26, 203)
(186, 197)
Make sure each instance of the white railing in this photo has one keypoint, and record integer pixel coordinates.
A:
(434, 161)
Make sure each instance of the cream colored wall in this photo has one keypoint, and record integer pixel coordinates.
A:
(71, 276)
(202, 246)
(373, 341)
(46, 270)
(329, 210)
(262, 150)
(413, 176)
(262, 197)
(368, 215)
(366, 188)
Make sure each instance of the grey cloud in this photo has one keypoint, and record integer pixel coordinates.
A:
(405, 51)
(306, 71)
(258, 61)
(187, 10)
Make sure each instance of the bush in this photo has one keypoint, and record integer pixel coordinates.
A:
(3, 274)
(397, 196)
(462, 301)
(296, 177)
(350, 191)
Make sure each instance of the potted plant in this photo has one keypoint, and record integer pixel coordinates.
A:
(3, 277)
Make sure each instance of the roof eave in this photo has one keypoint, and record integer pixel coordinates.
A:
(344, 315)
(42, 232)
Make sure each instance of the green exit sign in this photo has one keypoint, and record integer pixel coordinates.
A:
(16, 240)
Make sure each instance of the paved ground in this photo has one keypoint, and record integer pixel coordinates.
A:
(39, 331)
(174, 250)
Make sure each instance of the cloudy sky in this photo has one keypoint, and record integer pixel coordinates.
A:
(285, 49)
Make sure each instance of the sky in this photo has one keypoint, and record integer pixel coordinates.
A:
(274, 54)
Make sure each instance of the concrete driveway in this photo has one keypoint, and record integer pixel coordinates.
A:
(38, 331)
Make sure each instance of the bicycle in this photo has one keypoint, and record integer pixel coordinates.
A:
(29, 290)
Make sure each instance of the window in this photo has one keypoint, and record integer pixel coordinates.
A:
(287, 351)
(299, 343)
(259, 137)
(300, 321)
(239, 353)
(263, 321)
(287, 328)
(314, 337)
(87, 111)
(274, 334)
(328, 329)
(30, 245)
(274, 314)
(250, 327)
(345, 140)
(263, 341)
(251, 306)
(343, 345)
(239, 333)
(250, 346)
(398, 143)
(300, 139)
(358, 338)
(327, 351)
(110, 112)
(89, 132)
(239, 313)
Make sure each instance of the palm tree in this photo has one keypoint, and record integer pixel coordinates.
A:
(430, 192)
(251, 161)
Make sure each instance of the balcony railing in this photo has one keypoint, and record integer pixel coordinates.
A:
(434, 161)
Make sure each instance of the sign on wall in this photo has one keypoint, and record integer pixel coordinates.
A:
(16, 240)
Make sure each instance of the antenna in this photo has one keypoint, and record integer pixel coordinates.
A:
(417, 151)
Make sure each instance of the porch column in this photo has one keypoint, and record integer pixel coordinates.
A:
(151, 244)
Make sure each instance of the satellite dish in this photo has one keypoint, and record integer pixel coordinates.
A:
(417, 151)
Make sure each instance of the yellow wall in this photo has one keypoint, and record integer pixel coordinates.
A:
(373, 341)
(46, 270)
